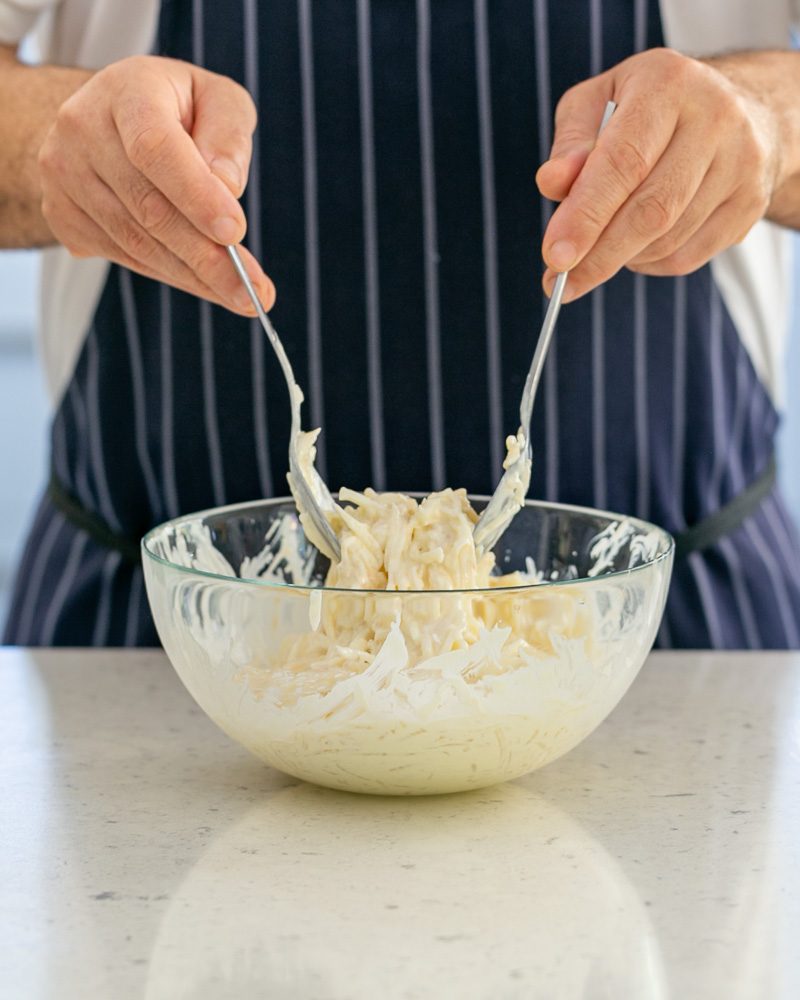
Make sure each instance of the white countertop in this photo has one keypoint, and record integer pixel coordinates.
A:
(142, 854)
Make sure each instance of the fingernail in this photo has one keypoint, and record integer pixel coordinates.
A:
(562, 255)
(226, 230)
(228, 171)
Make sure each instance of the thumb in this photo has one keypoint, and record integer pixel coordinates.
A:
(224, 121)
(577, 116)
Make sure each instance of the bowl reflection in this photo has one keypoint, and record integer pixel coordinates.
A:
(493, 894)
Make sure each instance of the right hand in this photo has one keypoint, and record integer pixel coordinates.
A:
(143, 166)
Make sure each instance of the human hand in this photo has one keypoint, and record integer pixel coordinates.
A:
(144, 165)
(685, 167)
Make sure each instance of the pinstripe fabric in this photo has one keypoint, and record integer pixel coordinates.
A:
(29, 590)
(779, 542)
(550, 380)
(678, 399)
(778, 529)
(63, 587)
(734, 445)
(95, 432)
(789, 527)
(133, 337)
(60, 451)
(374, 385)
(134, 609)
(728, 553)
(640, 25)
(211, 419)
(641, 394)
(210, 415)
(100, 633)
(431, 252)
(718, 400)
(253, 204)
(304, 9)
(599, 374)
(493, 374)
(705, 591)
(640, 338)
(198, 48)
(167, 429)
(391, 199)
(751, 638)
(80, 475)
(787, 614)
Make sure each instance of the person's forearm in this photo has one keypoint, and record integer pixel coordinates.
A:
(30, 97)
(773, 78)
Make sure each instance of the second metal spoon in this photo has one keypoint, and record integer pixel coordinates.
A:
(310, 492)
(512, 489)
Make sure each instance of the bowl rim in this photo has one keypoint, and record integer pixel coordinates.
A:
(647, 526)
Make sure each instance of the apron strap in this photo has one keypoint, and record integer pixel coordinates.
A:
(94, 526)
(722, 522)
(702, 535)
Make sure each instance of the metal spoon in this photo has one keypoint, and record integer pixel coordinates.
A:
(509, 497)
(311, 494)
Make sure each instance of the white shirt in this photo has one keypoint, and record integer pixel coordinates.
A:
(753, 277)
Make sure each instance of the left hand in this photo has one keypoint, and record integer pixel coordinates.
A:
(687, 164)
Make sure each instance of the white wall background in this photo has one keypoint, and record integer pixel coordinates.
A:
(23, 411)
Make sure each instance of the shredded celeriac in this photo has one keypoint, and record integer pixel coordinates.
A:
(395, 552)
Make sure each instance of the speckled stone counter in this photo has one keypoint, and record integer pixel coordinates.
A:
(142, 854)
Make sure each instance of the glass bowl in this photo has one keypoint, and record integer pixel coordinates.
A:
(271, 654)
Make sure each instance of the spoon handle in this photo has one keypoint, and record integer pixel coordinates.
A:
(549, 325)
(540, 354)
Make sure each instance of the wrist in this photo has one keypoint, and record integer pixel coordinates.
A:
(30, 97)
(768, 82)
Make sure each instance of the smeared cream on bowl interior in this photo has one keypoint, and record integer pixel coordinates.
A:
(392, 691)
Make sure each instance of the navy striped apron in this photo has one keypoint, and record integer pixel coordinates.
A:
(392, 200)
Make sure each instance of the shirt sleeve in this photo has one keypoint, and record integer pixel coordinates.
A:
(19, 17)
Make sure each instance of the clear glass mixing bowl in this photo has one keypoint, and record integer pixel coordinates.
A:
(238, 598)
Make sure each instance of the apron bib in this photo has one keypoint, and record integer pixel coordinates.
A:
(392, 200)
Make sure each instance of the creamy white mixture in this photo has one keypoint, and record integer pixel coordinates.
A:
(399, 692)
(393, 545)
(509, 497)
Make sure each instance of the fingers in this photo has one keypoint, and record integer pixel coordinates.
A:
(120, 239)
(161, 220)
(556, 176)
(714, 236)
(625, 155)
(704, 203)
(578, 115)
(685, 167)
(224, 122)
(81, 235)
(158, 146)
(151, 154)
(654, 210)
(736, 215)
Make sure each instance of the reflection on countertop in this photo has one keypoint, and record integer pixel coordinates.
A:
(494, 893)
